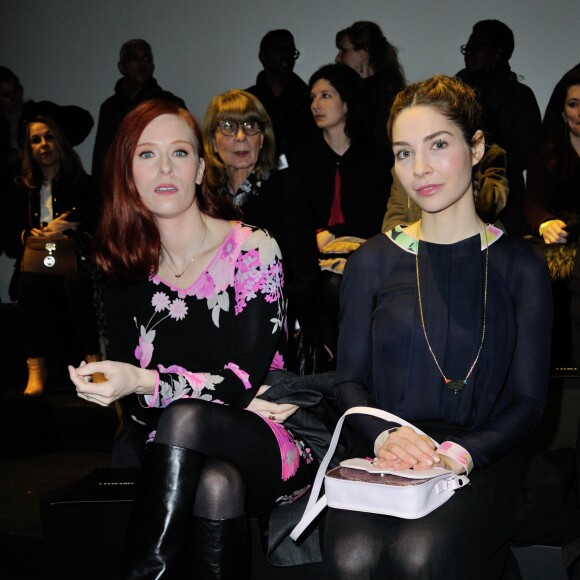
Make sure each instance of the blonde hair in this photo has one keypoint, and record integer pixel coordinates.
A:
(238, 106)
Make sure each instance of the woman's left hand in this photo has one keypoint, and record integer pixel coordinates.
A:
(121, 379)
(59, 225)
(406, 449)
(277, 412)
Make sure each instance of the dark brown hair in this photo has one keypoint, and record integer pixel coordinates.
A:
(382, 54)
(450, 96)
(70, 165)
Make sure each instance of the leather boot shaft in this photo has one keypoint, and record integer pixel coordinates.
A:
(161, 514)
(220, 549)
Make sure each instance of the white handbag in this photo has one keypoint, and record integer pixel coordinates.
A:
(359, 486)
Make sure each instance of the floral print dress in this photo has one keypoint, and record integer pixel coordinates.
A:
(215, 340)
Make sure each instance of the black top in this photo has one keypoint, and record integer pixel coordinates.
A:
(23, 210)
(270, 203)
(512, 120)
(365, 185)
(380, 98)
(290, 111)
(383, 358)
(552, 194)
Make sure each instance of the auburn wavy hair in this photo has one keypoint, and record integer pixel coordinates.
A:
(127, 242)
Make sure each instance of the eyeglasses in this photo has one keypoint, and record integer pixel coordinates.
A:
(474, 46)
(230, 128)
(290, 51)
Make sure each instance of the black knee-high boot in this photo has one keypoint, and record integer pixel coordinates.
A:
(161, 515)
(220, 549)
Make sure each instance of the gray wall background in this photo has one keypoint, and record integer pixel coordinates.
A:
(67, 50)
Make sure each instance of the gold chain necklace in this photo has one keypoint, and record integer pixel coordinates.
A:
(453, 385)
(165, 252)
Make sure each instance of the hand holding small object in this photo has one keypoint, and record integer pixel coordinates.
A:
(121, 379)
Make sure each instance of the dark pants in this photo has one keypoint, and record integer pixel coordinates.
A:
(47, 302)
(575, 309)
(467, 537)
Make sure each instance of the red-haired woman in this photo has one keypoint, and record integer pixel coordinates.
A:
(196, 319)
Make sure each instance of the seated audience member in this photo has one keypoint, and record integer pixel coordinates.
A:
(241, 166)
(283, 93)
(511, 114)
(53, 196)
(444, 324)
(241, 158)
(364, 48)
(339, 181)
(491, 193)
(553, 180)
(553, 210)
(136, 85)
(11, 107)
(200, 295)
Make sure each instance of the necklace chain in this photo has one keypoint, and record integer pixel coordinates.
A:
(454, 385)
(166, 253)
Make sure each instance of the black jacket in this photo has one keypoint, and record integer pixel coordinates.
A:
(112, 112)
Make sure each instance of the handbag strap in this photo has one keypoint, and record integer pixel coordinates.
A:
(315, 505)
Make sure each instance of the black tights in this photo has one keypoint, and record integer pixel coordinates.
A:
(242, 472)
(467, 537)
(40, 302)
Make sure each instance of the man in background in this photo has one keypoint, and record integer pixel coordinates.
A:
(284, 94)
(511, 114)
(136, 85)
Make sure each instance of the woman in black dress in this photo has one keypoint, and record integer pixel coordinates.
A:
(444, 324)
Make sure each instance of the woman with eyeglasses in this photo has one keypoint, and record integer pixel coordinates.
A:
(241, 165)
(195, 313)
(241, 157)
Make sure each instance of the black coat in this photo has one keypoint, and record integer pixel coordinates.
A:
(112, 112)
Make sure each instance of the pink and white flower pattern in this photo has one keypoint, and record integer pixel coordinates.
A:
(246, 267)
